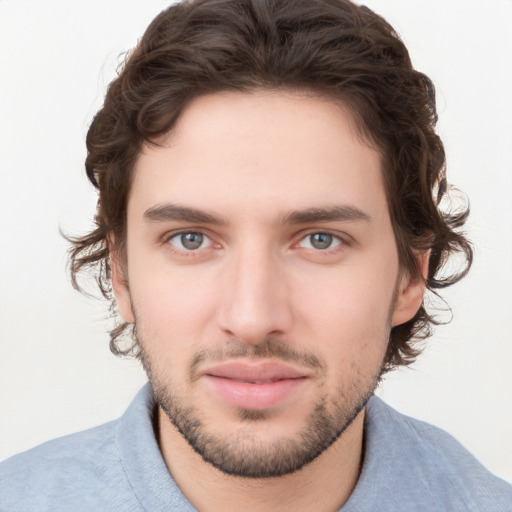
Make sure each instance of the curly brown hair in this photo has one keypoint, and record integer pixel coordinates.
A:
(332, 48)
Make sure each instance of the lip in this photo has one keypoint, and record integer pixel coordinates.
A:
(253, 386)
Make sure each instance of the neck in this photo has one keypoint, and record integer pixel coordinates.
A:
(323, 485)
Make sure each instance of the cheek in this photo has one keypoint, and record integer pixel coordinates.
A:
(361, 296)
(171, 305)
(349, 313)
(169, 326)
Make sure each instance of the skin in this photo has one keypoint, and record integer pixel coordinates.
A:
(257, 290)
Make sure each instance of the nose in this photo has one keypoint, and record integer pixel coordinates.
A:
(254, 302)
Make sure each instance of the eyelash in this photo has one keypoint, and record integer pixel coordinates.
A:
(184, 252)
(341, 242)
(336, 239)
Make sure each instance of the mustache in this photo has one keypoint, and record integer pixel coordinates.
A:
(268, 349)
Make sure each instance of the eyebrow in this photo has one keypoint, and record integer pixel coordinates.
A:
(172, 212)
(330, 213)
(169, 212)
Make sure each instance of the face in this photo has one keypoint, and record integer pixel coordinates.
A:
(262, 275)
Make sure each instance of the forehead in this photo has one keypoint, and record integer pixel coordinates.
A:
(265, 151)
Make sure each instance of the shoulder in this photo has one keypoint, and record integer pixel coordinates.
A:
(437, 449)
(424, 464)
(82, 469)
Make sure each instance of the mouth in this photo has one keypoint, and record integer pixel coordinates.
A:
(246, 385)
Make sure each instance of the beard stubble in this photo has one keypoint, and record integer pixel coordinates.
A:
(241, 453)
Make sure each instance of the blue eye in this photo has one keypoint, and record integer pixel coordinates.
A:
(320, 241)
(189, 241)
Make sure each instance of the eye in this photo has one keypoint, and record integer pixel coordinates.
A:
(320, 241)
(190, 241)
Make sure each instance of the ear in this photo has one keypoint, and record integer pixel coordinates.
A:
(120, 285)
(410, 292)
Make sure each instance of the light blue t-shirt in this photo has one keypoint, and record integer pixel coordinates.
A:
(408, 466)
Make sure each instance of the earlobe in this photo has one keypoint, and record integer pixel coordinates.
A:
(120, 286)
(410, 292)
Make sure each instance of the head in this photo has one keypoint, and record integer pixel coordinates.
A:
(297, 86)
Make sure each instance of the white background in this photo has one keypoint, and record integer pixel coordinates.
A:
(56, 373)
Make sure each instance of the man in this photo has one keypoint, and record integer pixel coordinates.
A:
(269, 179)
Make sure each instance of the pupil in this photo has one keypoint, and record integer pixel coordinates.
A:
(192, 240)
(321, 240)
